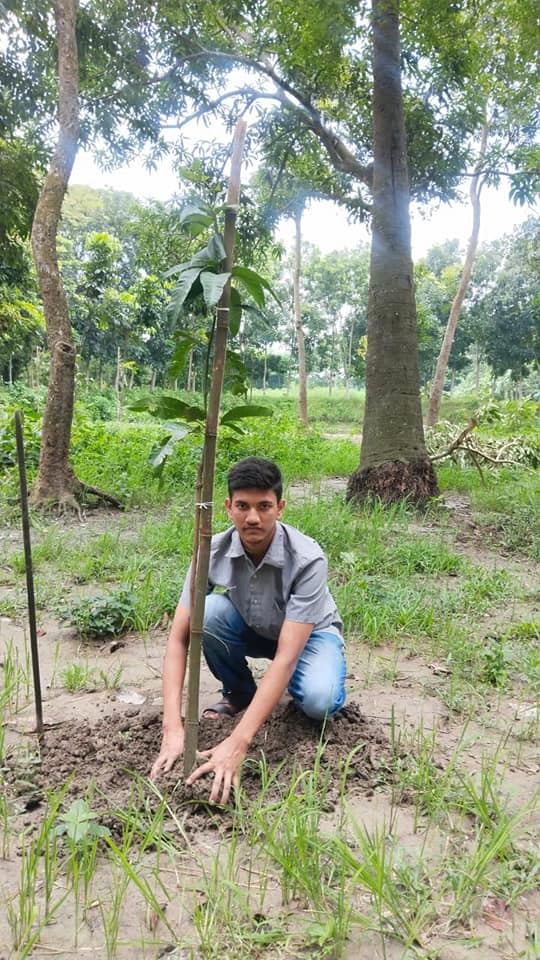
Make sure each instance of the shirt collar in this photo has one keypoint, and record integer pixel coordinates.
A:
(274, 556)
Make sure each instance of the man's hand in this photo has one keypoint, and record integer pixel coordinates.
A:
(224, 761)
(172, 747)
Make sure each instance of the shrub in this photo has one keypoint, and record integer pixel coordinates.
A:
(102, 616)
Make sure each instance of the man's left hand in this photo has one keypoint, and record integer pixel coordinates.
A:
(224, 761)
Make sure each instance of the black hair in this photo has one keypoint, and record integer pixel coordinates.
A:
(255, 473)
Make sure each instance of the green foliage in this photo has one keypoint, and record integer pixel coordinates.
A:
(31, 434)
(102, 616)
(202, 276)
(497, 660)
(78, 823)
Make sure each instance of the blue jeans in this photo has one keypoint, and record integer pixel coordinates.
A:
(317, 684)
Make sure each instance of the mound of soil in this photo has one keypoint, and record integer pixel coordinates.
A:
(108, 753)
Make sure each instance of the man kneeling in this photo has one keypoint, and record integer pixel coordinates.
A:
(276, 605)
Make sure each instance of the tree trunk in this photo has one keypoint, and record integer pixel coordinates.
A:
(189, 384)
(348, 363)
(56, 481)
(332, 361)
(437, 385)
(265, 371)
(118, 378)
(302, 373)
(393, 462)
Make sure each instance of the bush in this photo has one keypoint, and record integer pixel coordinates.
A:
(102, 616)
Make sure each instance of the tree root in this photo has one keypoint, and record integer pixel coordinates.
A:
(393, 481)
(69, 496)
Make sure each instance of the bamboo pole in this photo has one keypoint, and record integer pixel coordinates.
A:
(29, 572)
(203, 508)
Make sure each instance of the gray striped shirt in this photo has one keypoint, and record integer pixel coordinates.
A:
(290, 583)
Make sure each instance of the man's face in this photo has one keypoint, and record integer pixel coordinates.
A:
(254, 514)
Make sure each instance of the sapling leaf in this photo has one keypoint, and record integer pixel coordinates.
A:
(195, 217)
(169, 408)
(247, 410)
(235, 312)
(211, 256)
(159, 454)
(212, 286)
(187, 287)
(254, 284)
(178, 268)
(186, 342)
(236, 428)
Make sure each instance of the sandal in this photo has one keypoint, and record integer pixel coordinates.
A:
(228, 707)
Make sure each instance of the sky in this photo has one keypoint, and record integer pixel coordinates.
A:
(325, 224)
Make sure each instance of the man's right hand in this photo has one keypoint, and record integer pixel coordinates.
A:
(172, 747)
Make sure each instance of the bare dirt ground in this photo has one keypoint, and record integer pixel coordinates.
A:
(104, 736)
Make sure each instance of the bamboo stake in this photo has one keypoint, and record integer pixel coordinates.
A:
(203, 517)
(29, 573)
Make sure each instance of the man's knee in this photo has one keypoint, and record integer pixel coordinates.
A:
(321, 700)
(223, 625)
(217, 612)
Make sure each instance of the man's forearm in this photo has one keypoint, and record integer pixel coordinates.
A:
(174, 671)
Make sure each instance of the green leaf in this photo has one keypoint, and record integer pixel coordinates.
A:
(159, 454)
(77, 822)
(181, 292)
(195, 217)
(254, 284)
(186, 342)
(251, 281)
(235, 312)
(212, 285)
(216, 248)
(236, 428)
(235, 363)
(143, 403)
(179, 268)
(169, 408)
(247, 410)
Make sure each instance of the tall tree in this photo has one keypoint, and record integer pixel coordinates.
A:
(297, 306)
(437, 385)
(56, 480)
(507, 96)
(510, 309)
(394, 460)
(106, 45)
(312, 62)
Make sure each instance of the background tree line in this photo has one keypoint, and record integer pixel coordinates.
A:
(115, 250)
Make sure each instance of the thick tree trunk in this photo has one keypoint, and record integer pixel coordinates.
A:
(393, 462)
(56, 481)
(300, 340)
(437, 385)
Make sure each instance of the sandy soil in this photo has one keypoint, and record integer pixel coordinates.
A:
(104, 736)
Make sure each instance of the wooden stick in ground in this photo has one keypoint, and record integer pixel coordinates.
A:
(204, 507)
(29, 573)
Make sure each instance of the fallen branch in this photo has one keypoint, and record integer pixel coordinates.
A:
(101, 495)
(458, 442)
